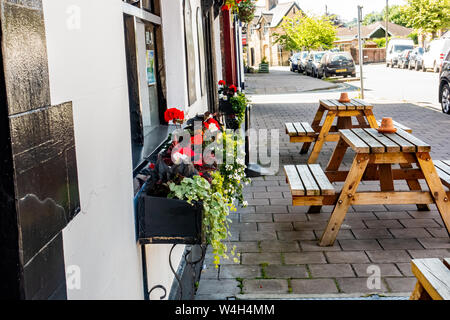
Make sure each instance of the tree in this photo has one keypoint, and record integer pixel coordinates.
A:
(428, 15)
(306, 33)
(372, 18)
(397, 15)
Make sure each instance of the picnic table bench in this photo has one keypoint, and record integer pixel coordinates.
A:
(433, 279)
(375, 153)
(329, 110)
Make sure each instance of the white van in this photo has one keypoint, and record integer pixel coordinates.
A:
(395, 48)
(434, 54)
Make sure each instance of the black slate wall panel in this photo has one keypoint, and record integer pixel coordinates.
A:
(42, 167)
(10, 266)
(25, 57)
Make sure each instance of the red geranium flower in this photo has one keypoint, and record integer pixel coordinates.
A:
(233, 87)
(152, 166)
(211, 121)
(222, 83)
(173, 114)
(225, 7)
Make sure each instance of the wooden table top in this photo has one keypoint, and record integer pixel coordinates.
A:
(371, 141)
(354, 104)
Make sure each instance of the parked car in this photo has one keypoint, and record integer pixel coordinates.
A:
(444, 85)
(293, 61)
(415, 59)
(434, 54)
(337, 64)
(395, 48)
(313, 64)
(302, 61)
(403, 59)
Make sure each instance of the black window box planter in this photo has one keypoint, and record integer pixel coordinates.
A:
(169, 221)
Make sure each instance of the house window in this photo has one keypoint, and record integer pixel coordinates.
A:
(266, 29)
(145, 68)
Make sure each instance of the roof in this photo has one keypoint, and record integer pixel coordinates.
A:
(276, 14)
(394, 30)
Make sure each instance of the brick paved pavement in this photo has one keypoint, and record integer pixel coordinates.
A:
(278, 242)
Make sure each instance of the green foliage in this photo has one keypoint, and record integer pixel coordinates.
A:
(218, 197)
(264, 60)
(306, 33)
(397, 15)
(381, 42)
(233, 172)
(239, 103)
(215, 210)
(428, 15)
(414, 36)
(247, 10)
(372, 18)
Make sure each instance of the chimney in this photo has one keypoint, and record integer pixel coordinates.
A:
(270, 4)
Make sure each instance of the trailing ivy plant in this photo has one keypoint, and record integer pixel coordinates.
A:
(215, 210)
(239, 103)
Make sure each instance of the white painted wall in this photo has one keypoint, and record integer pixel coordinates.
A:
(87, 66)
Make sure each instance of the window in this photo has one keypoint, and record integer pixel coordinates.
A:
(145, 68)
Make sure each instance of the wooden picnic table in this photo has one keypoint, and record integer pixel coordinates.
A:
(329, 110)
(375, 155)
(333, 109)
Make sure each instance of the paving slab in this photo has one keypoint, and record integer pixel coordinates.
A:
(331, 270)
(313, 286)
(266, 286)
(286, 272)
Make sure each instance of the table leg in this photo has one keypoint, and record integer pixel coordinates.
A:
(338, 156)
(321, 139)
(419, 293)
(414, 185)
(315, 125)
(344, 123)
(371, 118)
(362, 121)
(386, 178)
(345, 199)
(436, 187)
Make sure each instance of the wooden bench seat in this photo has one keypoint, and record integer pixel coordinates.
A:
(433, 279)
(300, 129)
(308, 180)
(398, 126)
(443, 170)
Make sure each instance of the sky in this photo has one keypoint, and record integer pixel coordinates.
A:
(346, 9)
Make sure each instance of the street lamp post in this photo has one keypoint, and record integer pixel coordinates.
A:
(361, 54)
(387, 24)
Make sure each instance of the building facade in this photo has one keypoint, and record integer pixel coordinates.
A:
(260, 33)
(84, 86)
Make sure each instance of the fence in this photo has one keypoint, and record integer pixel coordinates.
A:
(371, 55)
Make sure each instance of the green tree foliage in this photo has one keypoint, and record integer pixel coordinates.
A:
(397, 15)
(428, 15)
(306, 33)
(372, 18)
